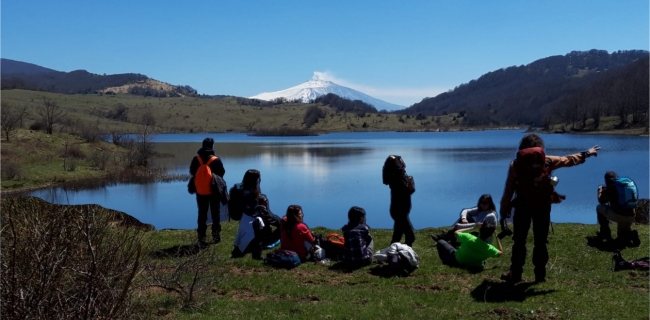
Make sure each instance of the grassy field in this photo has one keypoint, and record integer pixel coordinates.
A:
(580, 285)
(214, 115)
(35, 159)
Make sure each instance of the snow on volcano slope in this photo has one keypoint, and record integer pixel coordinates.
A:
(317, 87)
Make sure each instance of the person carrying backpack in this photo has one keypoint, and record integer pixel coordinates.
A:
(619, 206)
(256, 221)
(202, 168)
(401, 188)
(529, 180)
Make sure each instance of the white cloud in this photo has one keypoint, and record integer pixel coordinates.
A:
(398, 95)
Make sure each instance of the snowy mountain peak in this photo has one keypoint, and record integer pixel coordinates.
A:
(317, 86)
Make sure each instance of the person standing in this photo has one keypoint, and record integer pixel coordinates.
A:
(401, 188)
(610, 209)
(206, 198)
(530, 181)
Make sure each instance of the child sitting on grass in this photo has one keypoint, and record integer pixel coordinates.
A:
(358, 246)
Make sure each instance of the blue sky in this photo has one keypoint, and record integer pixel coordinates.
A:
(400, 52)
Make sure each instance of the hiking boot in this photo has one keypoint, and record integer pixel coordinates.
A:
(510, 277)
(604, 234)
(203, 244)
(216, 238)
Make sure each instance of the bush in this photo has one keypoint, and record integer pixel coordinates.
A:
(11, 170)
(66, 262)
(90, 133)
(99, 160)
(37, 126)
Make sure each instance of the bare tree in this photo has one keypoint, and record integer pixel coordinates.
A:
(10, 119)
(51, 113)
(145, 148)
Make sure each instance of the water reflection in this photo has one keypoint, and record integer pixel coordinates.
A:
(327, 175)
(179, 155)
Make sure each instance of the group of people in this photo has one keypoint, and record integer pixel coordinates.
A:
(529, 192)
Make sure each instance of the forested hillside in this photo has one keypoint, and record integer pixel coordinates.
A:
(555, 89)
(21, 75)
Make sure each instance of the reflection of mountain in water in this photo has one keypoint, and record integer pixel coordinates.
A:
(180, 154)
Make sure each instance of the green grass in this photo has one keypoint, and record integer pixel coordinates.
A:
(213, 115)
(580, 285)
(39, 159)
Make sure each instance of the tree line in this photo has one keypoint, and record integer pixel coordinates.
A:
(546, 90)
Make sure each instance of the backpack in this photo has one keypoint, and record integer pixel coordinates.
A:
(334, 246)
(282, 259)
(203, 177)
(236, 202)
(627, 193)
(532, 172)
(636, 264)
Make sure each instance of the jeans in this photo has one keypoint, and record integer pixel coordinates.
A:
(204, 203)
(540, 216)
(447, 253)
(605, 214)
(403, 226)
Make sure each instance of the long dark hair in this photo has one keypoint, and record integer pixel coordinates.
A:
(250, 182)
(486, 198)
(393, 170)
(293, 218)
(355, 216)
(530, 141)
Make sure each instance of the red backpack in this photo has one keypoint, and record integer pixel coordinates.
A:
(203, 177)
(532, 176)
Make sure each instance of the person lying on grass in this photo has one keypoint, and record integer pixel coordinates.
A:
(473, 251)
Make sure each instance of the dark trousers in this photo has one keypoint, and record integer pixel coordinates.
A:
(204, 203)
(540, 216)
(447, 253)
(403, 226)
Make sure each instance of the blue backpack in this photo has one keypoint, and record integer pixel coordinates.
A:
(627, 193)
(282, 259)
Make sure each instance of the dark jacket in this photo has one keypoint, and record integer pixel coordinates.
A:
(220, 189)
(216, 166)
(401, 189)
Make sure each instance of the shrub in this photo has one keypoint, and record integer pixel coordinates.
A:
(66, 262)
(37, 126)
(99, 160)
(11, 169)
(90, 133)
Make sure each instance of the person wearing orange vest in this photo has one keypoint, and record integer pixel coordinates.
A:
(205, 198)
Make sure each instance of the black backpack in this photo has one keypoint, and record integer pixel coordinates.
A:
(636, 264)
(236, 202)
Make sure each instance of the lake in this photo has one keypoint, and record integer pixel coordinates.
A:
(328, 174)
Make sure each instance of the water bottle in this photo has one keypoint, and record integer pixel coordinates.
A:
(325, 262)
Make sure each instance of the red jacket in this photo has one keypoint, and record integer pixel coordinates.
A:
(299, 234)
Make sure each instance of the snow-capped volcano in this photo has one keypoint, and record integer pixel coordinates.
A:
(317, 87)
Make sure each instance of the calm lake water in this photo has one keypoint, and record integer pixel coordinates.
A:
(328, 174)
